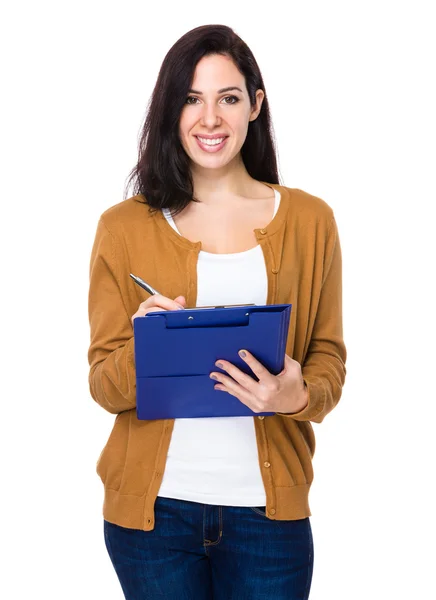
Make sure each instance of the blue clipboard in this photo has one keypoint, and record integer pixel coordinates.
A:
(175, 351)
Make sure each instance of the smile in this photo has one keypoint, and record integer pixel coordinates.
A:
(211, 145)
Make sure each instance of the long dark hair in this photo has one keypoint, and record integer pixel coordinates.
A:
(162, 174)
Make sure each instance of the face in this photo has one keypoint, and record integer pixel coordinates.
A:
(214, 120)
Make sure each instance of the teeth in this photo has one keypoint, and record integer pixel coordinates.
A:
(211, 142)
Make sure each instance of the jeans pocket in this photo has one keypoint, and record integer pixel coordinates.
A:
(260, 510)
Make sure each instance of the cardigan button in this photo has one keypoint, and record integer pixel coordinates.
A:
(263, 231)
(272, 511)
(261, 417)
(266, 464)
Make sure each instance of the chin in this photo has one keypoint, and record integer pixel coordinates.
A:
(211, 165)
(212, 161)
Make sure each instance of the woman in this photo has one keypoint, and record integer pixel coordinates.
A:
(214, 507)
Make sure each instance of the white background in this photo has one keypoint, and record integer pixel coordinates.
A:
(351, 89)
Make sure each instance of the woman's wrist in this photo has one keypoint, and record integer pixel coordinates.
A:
(302, 402)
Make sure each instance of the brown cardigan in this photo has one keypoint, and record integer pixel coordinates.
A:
(304, 268)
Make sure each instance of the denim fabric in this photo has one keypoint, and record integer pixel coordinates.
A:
(204, 552)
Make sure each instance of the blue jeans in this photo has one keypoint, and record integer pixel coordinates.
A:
(203, 552)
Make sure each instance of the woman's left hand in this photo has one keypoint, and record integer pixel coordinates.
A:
(283, 393)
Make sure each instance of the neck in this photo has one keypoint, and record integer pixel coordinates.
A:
(212, 186)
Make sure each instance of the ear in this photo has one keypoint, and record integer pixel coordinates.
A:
(258, 105)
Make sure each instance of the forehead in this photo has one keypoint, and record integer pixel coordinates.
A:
(216, 71)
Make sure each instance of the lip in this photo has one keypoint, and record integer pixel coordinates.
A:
(213, 136)
(212, 149)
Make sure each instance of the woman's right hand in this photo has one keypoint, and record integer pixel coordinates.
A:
(158, 302)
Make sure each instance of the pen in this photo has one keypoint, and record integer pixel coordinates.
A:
(153, 292)
(144, 285)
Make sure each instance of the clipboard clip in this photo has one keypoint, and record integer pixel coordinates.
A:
(222, 306)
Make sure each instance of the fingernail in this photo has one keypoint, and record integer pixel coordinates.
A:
(214, 377)
(242, 354)
(219, 365)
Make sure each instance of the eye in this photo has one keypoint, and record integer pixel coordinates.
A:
(234, 98)
(191, 98)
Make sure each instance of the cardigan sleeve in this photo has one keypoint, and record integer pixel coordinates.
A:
(112, 379)
(323, 368)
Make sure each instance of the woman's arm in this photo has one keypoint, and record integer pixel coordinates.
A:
(324, 365)
(308, 392)
(112, 377)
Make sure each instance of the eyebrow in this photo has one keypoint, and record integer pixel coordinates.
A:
(226, 89)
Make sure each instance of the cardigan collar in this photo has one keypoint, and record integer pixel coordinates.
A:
(270, 236)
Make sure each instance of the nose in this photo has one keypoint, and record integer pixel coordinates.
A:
(210, 116)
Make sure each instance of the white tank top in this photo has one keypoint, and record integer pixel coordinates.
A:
(215, 460)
